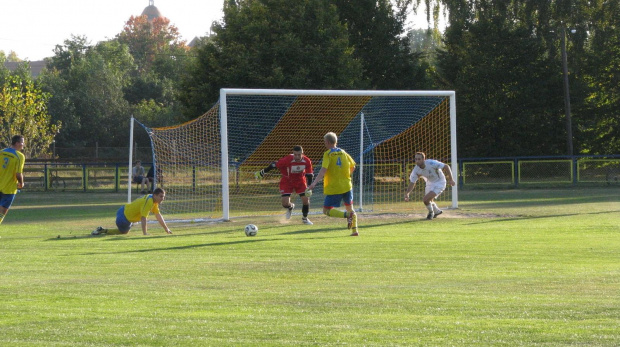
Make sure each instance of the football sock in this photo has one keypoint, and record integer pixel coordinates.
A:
(429, 207)
(337, 213)
(305, 209)
(112, 231)
(435, 208)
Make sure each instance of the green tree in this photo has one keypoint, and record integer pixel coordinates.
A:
(23, 110)
(86, 84)
(272, 44)
(376, 31)
(508, 90)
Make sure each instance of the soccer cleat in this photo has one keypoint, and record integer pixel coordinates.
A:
(259, 175)
(354, 233)
(437, 213)
(306, 221)
(430, 216)
(352, 220)
(98, 231)
(289, 211)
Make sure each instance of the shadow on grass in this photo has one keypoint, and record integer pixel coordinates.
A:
(176, 248)
(516, 218)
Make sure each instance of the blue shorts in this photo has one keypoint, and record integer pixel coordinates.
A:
(334, 200)
(6, 200)
(121, 221)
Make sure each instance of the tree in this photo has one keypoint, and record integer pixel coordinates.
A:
(272, 44)
(149, 40)
(23, 111)
(86, 84)
(508, 90)
(376, 31)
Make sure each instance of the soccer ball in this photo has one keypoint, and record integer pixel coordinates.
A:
(251, 230)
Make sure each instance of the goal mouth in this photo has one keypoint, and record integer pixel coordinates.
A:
(207, 165)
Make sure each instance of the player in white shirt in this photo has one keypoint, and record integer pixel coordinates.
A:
(432, 172)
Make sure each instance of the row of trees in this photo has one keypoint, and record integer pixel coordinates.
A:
(502, 57)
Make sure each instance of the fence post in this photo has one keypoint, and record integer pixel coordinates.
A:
(45, 178)
(574, 169)
(84, 177)
(516, 170)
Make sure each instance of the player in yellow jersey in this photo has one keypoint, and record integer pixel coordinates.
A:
(137, 211)
(11, 173)
(337, 167)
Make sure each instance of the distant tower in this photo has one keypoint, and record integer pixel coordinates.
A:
(151, 12)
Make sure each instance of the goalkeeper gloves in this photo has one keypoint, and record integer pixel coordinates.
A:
(259, 175)
(308, 192)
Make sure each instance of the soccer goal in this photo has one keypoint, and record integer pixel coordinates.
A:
(207, 165)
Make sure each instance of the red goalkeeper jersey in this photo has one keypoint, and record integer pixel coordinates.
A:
(294, 171)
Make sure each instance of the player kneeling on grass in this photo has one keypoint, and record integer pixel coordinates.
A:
(296, 170)
(337, 168)
(137, 211)
(431, 171)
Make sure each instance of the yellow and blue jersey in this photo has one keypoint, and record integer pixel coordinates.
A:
(141, 207)
(339, 165)
(11, 163)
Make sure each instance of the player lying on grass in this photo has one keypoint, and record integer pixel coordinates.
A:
(296, 170)
(137, 211)
(337, 167)
(431, 171)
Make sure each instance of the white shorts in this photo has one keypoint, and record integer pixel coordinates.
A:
(436, 188)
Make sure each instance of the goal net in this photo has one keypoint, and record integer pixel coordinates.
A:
(207, 165)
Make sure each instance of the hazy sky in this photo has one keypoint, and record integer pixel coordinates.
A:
(32, 28)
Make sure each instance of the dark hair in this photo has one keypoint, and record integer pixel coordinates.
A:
(17, 138)
(422, 154)
(298, 149)
(158, 191)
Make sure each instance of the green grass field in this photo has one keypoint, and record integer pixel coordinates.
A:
(509, 268)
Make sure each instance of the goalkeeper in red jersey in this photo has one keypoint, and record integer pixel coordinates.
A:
(296, 170)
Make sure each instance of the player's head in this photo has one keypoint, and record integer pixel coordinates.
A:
(298, 151)
(331, 139)
(419, 158)
(17, 142)
(138, 163)
(159, 195)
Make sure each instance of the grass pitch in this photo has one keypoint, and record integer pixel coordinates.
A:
(510, 268)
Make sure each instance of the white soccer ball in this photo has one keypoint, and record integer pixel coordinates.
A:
(251, 230)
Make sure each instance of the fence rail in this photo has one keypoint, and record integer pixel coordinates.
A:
(473, 173)
(539, 171)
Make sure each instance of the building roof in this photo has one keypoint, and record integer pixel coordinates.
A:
(151, 12)
(35, 66)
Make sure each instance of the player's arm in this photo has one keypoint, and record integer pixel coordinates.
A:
(448, 170)
(20, 180)
(162, 222)
(409, 189)
(144, 226)
(318, 178)
(261, 174)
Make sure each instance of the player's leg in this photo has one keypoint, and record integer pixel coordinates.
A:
(351, 215)
(428, 198)
(300, 189)
(329, 204)
(285, 191)
(288, 205)
(437, 189)
(6, 200)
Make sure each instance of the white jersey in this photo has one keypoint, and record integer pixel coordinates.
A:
(432, 172)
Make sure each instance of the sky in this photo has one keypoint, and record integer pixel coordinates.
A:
(32, 28)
